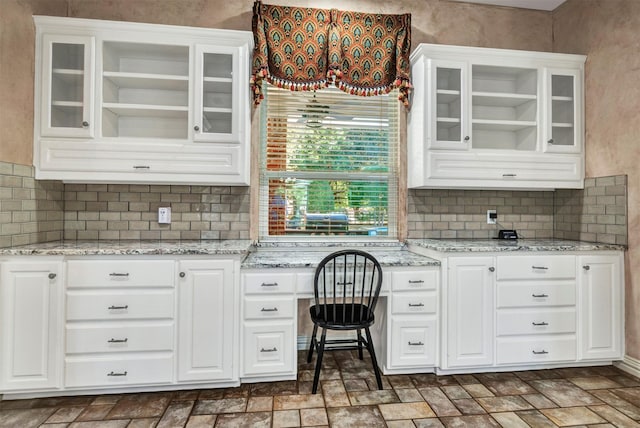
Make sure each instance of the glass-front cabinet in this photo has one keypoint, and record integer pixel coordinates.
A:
(450, 121)
(564, 126)
(67, 86)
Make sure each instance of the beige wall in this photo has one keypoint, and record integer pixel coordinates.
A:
(607, 32)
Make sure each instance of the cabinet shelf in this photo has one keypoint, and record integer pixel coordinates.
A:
(493, 99)
(145, 110)
(217, 110)
(67, 104)
(562, 125)
(447, 95)
(147, 80)
(502, 125)
(448, 122)
(559, 98)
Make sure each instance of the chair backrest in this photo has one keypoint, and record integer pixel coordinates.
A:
(350, 281)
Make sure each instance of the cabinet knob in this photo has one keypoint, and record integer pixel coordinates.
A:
(550, 141)
(196, 128)
(85, 124)
(586, 267)
(52, 275)
(492, 269)
(182, 274)
(467, 138)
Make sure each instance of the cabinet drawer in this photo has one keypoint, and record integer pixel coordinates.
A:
(536, 267)
(413, 341)
(414, 303)
(536, 321)
(542, 293)
(265, 283)
(415, 280)
(120, 273)
(119, 338)
(115, 305)
(117, 371)
(535, 349)
(268, 348)
(268, 307)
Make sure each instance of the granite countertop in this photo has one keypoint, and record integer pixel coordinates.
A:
(497, 245)
(88, 248)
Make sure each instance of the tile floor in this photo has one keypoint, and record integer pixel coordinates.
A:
(592, 396)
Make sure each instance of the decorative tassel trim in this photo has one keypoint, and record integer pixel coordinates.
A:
(263, 74)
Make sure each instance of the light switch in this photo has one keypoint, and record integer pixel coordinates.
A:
(164, 215)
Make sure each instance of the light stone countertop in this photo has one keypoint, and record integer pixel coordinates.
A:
(503, 245)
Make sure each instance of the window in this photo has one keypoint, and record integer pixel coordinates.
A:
(328, 164)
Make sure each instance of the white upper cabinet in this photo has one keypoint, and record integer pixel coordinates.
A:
(130, 102)
(494, 118)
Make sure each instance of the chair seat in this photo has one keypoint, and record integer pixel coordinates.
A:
(345, 317)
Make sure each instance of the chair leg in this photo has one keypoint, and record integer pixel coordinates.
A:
(316, 376)
(313, 342)
(373, 357)
(360, 344)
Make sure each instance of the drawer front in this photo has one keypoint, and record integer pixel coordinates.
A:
(535, 350)
(542, 293)
(536, 321)
(414, 303)
(266, 283)
(268, 307)
(415, 280)
(114, 305)
(268, 349)
(536, 267)
(119, 338)
(120, 273)
(118, 371)
(413, 342)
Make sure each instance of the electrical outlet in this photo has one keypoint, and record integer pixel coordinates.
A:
(164, 215)
(492, 216)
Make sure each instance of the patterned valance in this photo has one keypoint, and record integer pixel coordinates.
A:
(304, 49)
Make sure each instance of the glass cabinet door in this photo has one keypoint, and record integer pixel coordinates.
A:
(449, 113)
(217, 115)
(564, 111)
(67, 79)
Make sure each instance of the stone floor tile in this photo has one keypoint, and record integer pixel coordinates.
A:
(313, 417)
(625, 381)
(511, 403)
(225, 405)
(60, 425)
(65, 414)
(135, 406)
(275, 388)
(594, 382)
(356, 385)
(528, 374)
(115, 423)
(106, 399)
(17, 404)
(356, 416)
(243, 420)
(478, 390)
(190, 395)
(241, 391)
(293, 402)
(286, 418)
(469, 406)
(509, 387)
(455, 392)
(569, 416)
(614, 416)
(564, 393)
(201, 421)
(428, 423)
(73, 401)
(260, 404)
(439, 402)
(373, 384)
(409, 395)
(325, 374)
(632, 395)
(211, 394)
(95, 412)
(408, 423)
(176, 414)
(464, 379)
(475, 421)
(535, 419)
(495, 376)
(366, 398)
(24, 418)
(417, 410)
(305, 387)
(334, 394)
(539, 401)
(148, 423)
(428, 379)
(400, 381)
(623, 405)
(509, 420)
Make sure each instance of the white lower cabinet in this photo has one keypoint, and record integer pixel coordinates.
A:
(31, 324)
(268, 348)
(413, 341)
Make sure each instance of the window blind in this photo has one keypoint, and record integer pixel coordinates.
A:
(328, 163)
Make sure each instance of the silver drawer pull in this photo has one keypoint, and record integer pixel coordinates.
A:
(274, 309)
(540, 267)
(117, 374)
(274, 349)
(52, 276)
(540, 323)
(416, 344)
(269, 284)
(114, 308)
(586, 267)
(417, 281)
(543, 352)
(119, 274)
(539, 295)
(416, 305)
(509, 175)
(141, 167)
(112, 340)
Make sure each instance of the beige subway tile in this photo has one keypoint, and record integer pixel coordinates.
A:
(70, 234)
(139, 206)
(616, 229)
(130, 216)
(190, 216)
(87, 234)
(160, 188)
(190, 198)
(88, 215)
(109, 216)
(210, 234)
(108, 197)
(606, 238)
(117, 225)
(230, 234)
(97, 206)
(130, 234)
(108, 234)
(129, 197)
(150, 197)
(180, 225)
(169, 197)
(75, 187)
(118, 206)
(139, 188)
(170, 234)
(118, 188)
(190, 234)
(139, 225)
(200, 189)
(149, 234)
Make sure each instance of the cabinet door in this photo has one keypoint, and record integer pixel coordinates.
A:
(219, 99)
(601, 307)
(448, 109)
(413, 341)
(207, 327)
(31, 325)
(470, 309)
(67, 80)
(563, 133)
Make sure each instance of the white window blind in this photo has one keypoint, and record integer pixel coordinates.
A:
(328, 164)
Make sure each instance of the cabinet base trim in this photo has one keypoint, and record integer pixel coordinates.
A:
(515, 368)
(630, 365)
